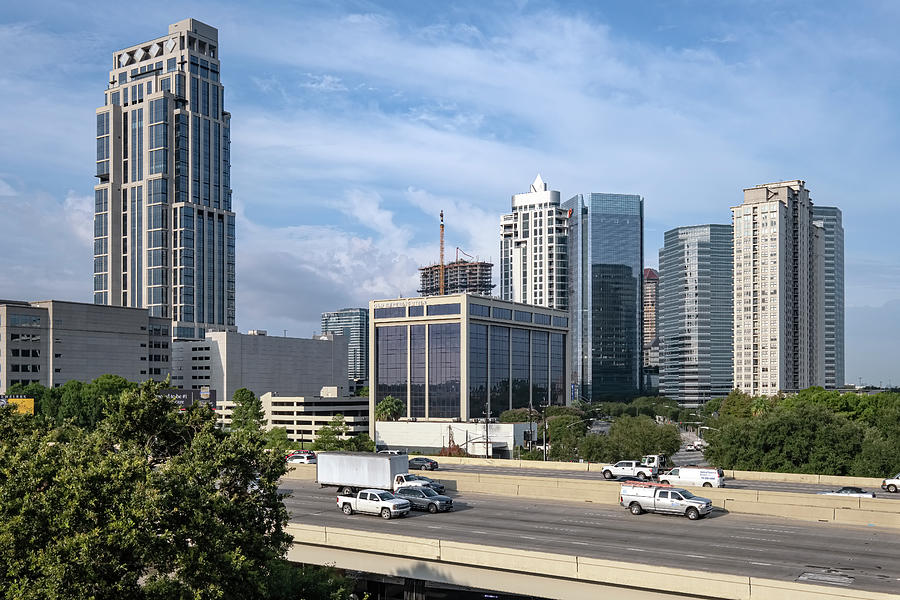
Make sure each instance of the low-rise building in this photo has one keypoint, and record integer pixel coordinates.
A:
(50, 342)
(463, 357)
(304, 416)
(226, 361)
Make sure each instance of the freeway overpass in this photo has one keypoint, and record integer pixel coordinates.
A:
(562, 549)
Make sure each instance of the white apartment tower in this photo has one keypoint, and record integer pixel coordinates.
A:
(533, 249)
(163, 224)
(778, 290)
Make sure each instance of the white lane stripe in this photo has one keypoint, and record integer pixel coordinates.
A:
(694, 556)
(765, 564)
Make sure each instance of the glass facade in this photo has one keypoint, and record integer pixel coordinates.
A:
(391, 367)
(478, 370)
(443, 370)
(468, 366)
(831, 221)
(605, 269)
(353, 324)
(695, 314)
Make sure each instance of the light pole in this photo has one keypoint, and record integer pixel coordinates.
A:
(487, 437)
(546, 429)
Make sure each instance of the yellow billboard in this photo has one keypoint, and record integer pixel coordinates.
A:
(22, 404)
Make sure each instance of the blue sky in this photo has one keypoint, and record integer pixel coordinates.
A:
(355, 123)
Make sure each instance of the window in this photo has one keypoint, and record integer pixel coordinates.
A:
(443, 309)
(170, 64)
(416, 311)
(523, 316)
(502, 313)
(479, 310)
(390, 313)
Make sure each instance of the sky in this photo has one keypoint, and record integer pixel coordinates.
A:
(355, 123)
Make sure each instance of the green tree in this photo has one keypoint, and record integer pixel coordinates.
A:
(330, 437)
(633, 437)
(152, 503)
(248, 412)
(389, 409)
(276, 439)
(363, 391)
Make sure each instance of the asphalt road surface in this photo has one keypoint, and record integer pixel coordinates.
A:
(863, 558)
(769, 486)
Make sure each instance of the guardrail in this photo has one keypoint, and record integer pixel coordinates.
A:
(547, 574)
(807, 507)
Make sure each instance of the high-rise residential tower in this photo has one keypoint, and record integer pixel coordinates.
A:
(778, 290)
(353, 324)
(830, 219)
(695, 314)
(606, 258)
(650, 316)
(163, 224)
(533, 260)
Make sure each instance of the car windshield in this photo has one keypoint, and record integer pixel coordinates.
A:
(429, 492)
(686, 494)
(385, 495)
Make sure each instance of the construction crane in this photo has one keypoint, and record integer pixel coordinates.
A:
(441, 284)
(458, 250)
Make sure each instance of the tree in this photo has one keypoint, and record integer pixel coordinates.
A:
(363, 391)
(276, 439)
(247, 412)
(152, 503)
(389, 409)
(330, 437)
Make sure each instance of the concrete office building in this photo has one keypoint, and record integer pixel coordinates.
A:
(778, 290)
(533, 252)
(304, 416)
(353, 324)
(226, 361)
(829, 218)
(606, 264)
(51, 342)
(163, 224)
(695, 314)
(464, 357)
(460, 276)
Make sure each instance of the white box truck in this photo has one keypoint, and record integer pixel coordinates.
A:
(351, 472)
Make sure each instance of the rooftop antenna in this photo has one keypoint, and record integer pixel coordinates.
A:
(441, 283)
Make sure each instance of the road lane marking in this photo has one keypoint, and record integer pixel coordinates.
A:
(694, 556)
(761, 564)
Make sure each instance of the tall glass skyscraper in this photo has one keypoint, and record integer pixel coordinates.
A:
(695, 314)
(829, 218)
(352, 323)
(606, 257)
(163, 226)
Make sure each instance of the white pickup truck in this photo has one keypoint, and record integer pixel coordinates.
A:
(891, 484)
(632, 468)
(641, 497)
(374, 502)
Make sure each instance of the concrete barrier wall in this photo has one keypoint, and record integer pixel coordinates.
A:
(449, 559)
(808, 507)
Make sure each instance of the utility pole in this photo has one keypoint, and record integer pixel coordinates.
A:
(530, 425)
(546, 428)
(487, 436)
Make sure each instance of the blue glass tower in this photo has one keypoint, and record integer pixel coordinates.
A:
(606, 259)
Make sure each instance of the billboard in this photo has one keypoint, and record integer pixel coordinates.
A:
(22, 404)
(186, 398)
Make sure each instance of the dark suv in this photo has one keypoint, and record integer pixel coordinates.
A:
(420, 462)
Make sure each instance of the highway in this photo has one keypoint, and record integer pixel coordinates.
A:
(769, 486)
(822, 553)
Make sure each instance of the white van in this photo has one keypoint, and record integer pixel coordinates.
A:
(698, 476)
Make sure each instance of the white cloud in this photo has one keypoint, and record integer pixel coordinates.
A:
(6, 189)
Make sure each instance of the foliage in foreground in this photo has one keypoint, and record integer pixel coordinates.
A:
(146, 502)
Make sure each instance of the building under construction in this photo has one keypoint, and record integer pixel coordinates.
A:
(459, 276)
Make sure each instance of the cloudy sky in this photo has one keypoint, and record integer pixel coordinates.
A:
(355, 123)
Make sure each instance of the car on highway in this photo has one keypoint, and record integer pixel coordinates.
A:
(427, 481)
(423, 463)
(426, 499)
(302, 459)
(694, 475)
(891, 484)
(394, 452)
(627, 478)
(633, 468)
(374, 502)
(653, 497)
(853, 492)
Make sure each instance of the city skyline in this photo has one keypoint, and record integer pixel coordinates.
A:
(312, 214)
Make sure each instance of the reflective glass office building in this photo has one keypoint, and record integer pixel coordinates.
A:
(830, 219)
(463, 356)
(696, 322)
(606, 257)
